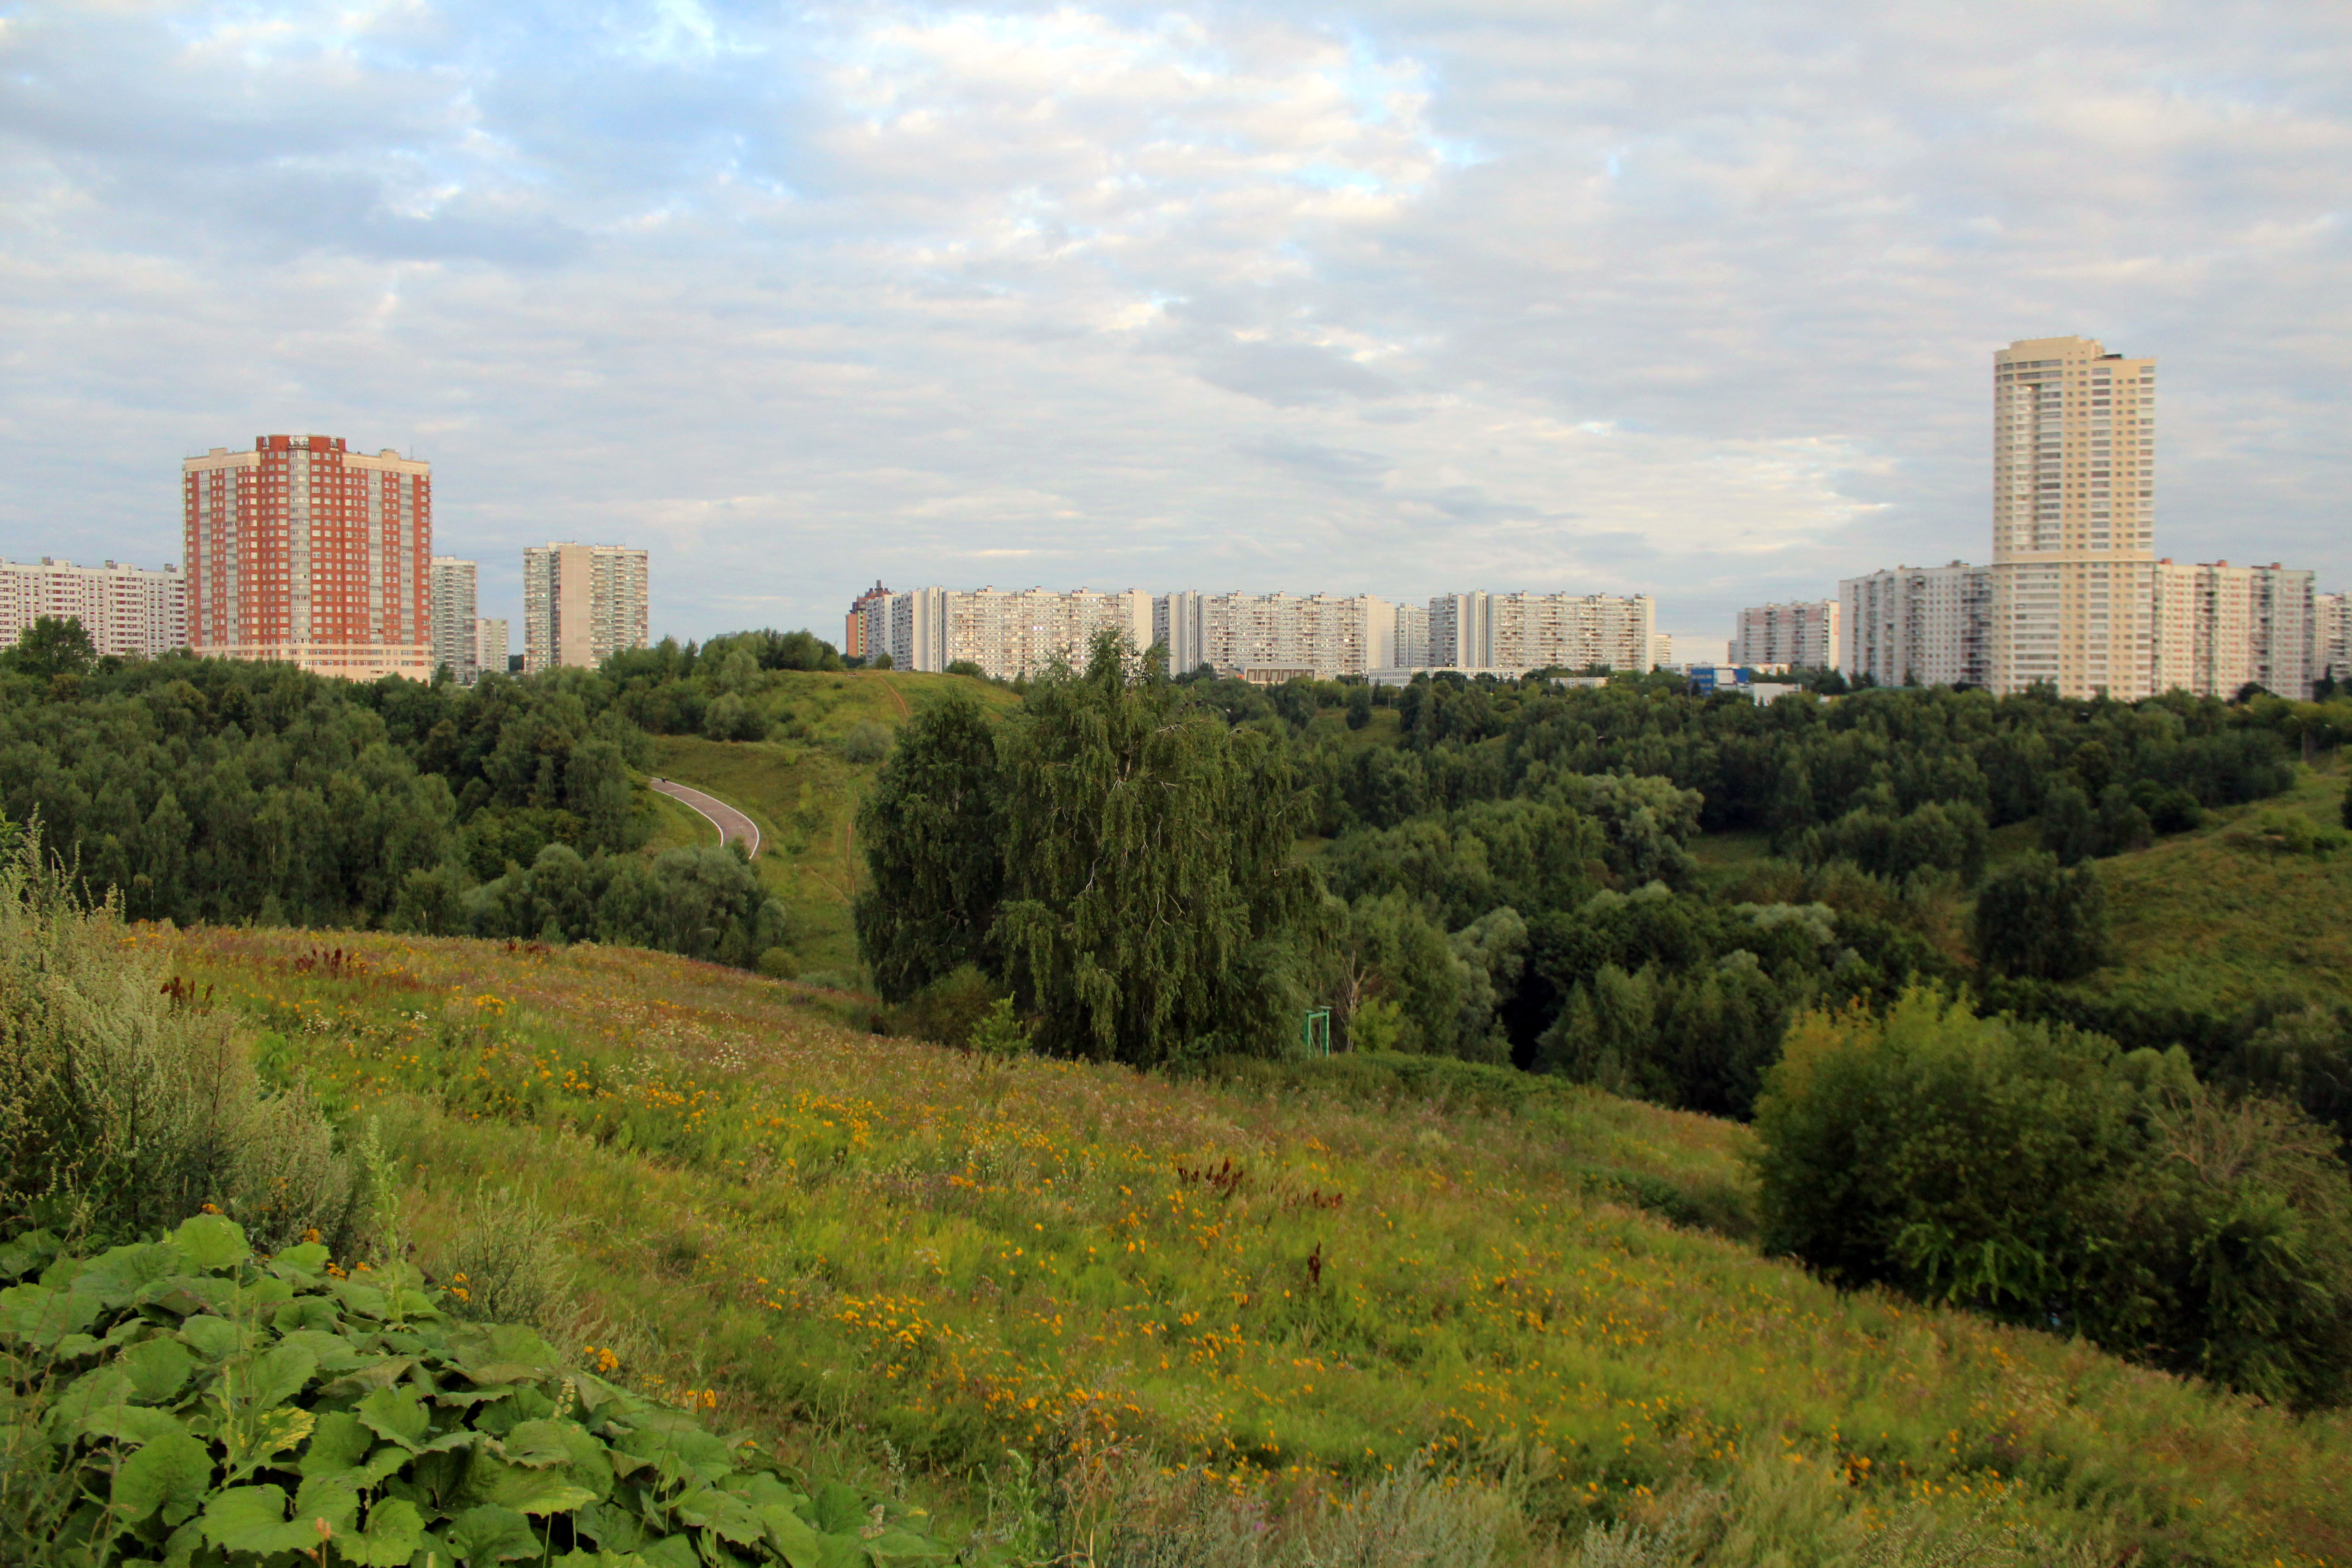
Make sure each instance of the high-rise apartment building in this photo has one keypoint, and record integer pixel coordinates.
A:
(1325, 635)
(305, 552)
(2074, 519)
(2331, 636)
(489, 647)
(125, 610)
(1411, 637)
(856, 638)
(1006, 632)
(1804, 633)
(1917, 625)
(582, 604)
(1522, 632)
(453, 585)
(2221, 628)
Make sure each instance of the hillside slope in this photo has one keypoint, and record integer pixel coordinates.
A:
(803, 788)
(929, 1258)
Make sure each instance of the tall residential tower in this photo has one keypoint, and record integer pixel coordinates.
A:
(580, 603)
(455, 586)
(302, 550)
(2073, 558)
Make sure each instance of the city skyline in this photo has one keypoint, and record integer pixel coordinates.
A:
(1586, 302)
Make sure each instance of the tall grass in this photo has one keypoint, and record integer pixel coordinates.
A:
(126, 1104)
(1282, 1294)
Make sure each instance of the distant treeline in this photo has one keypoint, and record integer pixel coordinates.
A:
(215, 790)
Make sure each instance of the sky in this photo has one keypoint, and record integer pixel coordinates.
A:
(1402, 297)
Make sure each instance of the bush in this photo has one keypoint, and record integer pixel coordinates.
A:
(865, 742)
(124, 1105)
(2036, 921)
(169, 1395)
(507, 1263)
(2042, 1175)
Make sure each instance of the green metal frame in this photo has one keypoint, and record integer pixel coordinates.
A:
(1314, 1032)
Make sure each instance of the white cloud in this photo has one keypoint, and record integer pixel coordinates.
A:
(1402, 297)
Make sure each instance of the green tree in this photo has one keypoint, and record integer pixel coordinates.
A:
(2037, 920)
(54, 646)
(932, 829)
(1150, 893)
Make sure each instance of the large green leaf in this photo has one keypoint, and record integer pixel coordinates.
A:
(536, 1445)
(253, 1519)
(172, 1472)
(275, 1376)
(537, 1492)
(334, 1353)
(156, 1369)
(838, 1509)
(338, 1445)
(395, 1531)
(396, 1414)
(488, 1533)
(724, 1513)
(42, 1315)
(794, 1538)
(210, 1242)
(132, 1423)
(121, 1274)
(304, 1262)
(329, 1500)
(215, 1339)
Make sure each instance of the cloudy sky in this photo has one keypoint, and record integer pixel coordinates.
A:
(1401, 297)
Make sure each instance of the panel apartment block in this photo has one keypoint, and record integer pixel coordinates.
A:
(1917, 626)
(302, 550)
(1804, 633)
(2220, 627)
(489, 647)
(454, 592)
(1541, 631)
(126, 610)
(1007, 632)
(1324, 635)
(2331, 636)
(2074, 519)
(582, 604)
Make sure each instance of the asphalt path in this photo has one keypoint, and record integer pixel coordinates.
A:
(734, 827)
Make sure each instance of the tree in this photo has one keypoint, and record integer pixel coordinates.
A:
(2069, 830)
(932, 829)
(1151, 891)
(52, 647)
(2036, 919)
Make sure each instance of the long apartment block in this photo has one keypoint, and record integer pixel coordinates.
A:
(126, 610)
(1258, 637)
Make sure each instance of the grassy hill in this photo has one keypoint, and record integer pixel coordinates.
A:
(2224, 916)
(1197, 1302)
(802, 790)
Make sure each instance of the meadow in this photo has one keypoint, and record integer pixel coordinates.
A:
(960, 1274)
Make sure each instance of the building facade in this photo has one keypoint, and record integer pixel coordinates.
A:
(1412, 637)
(1541, 631)
(2331, 636)
(489, 647)
(1008, 632)
(305, 552)
(2074, 519)
(1237, 634)
(127, 611)
(454, 584)
(1804, 635)
(2222, 628)
(1917, 626)
(582, 604)
(857, 641)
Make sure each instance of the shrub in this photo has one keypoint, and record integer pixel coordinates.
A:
(2045, 1176)
(125, 1106)
(508, 1264)
(171, 1394)
(947, 1010)
(2036, 921)
(865, 742)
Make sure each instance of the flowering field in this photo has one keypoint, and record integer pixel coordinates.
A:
(935, 1259)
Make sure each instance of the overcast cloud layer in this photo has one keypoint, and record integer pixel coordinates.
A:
(1406, 298)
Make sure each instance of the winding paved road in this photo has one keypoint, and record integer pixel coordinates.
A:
(734, 827)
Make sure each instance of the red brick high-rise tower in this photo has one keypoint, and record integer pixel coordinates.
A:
(303, 552)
